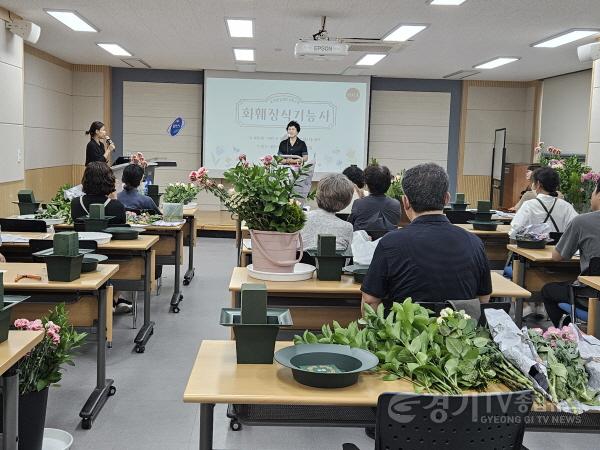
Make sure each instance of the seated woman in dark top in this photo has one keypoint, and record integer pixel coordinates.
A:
(98, 184)
(130, 196)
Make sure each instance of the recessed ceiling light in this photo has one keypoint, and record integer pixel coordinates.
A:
(240, 28)
(114, 49)
(370, 60)
(404, 33)
(565, 38)
(72, 19)
(447, 2)
(496, 62)
(244, 54)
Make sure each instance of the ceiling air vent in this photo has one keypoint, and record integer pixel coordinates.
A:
(461, 74)
(136, 63)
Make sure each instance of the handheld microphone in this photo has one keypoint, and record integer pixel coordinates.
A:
(109, 142)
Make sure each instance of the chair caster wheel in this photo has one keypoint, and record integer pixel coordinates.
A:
(86, 424)
(112, 391)
(235, 425)
(175, 309)
(186, 282)
(180, 297)
(140, 349)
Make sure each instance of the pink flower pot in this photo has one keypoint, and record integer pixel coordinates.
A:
(275, 252)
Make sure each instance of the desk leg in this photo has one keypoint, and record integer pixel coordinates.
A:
(147, 329)
(104, 387)
(189, 274)
(206, 426)
(519, 267)
(10, 410)
(177, 295)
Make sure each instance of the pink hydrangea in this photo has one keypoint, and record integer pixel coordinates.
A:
(36, 325)
(22, 324)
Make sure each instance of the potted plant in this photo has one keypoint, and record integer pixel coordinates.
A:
(41, 368)
(264, 195)
(395, 190)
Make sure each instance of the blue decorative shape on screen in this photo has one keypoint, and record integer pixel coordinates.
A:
(176, 126)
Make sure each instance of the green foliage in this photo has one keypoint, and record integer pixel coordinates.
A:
(42, 366)
(571, 172)
(58, 207)
(180, 193)
(395, 190)
(448, 354)
(263, 195)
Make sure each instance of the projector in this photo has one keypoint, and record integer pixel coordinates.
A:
(29, 31)
(323, 50)
(589, 52)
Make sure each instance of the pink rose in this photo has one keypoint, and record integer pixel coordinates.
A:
(36, 325)
(202, 172)
(193, 176)
(54, 336)
(267, 160)
(22, 324)
(242, 157)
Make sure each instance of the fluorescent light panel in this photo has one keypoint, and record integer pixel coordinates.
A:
(240, 28)
(447, 2)
(244, 54)
(370, 60)
(73, 20)
(496, 62)
(565, 38)
(114, 49)
(404, 33)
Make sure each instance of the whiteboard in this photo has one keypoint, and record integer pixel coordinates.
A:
(499, 146)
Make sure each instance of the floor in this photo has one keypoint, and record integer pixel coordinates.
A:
(148, 413)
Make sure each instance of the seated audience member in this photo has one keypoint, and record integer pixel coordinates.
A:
(2, 258)
(430, 260)
(357, 176)
(130, 195)
(99, 186)
(334, 193)
(581, 234)
(546, 207)
(376, 212)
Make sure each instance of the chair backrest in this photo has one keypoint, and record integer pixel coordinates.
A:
(23, 225)
(413, 421)
(459, 216)
(594, 268)
(492, 305)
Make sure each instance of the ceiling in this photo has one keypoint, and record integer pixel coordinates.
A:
(191, 34)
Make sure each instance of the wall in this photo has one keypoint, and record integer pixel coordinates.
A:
(565, 111)
(11, 118)
(593, 158)
(488, 106)
(409, 128)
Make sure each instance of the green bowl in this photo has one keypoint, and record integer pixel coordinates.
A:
(359, 271)
(326, 365)
(122, 233)
(483, 225)
(90, 262)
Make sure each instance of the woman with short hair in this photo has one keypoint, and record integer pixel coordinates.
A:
(130, 196)
(98, 185)
(334, 193)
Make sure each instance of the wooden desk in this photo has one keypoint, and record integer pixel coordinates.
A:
(216, 378)
(593, 323)
(189, 239)
(18, 344)
(532, 269)
(313, 303)
(136, 270)
(90, 284)
(169, 251)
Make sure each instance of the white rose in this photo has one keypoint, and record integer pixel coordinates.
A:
(440, 320)
(444, 312)
(220, 186)
(467, 316)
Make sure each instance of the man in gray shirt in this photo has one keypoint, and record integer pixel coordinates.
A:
(376, 212)
(583, 234)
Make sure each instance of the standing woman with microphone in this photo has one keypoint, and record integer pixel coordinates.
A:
(100, 146)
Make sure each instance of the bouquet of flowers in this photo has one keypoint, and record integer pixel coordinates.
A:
(395, 190)
(264, 195)
(42, 366)
(568, 379)
(180, 192)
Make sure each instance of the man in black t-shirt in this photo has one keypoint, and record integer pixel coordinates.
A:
(430, 260)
